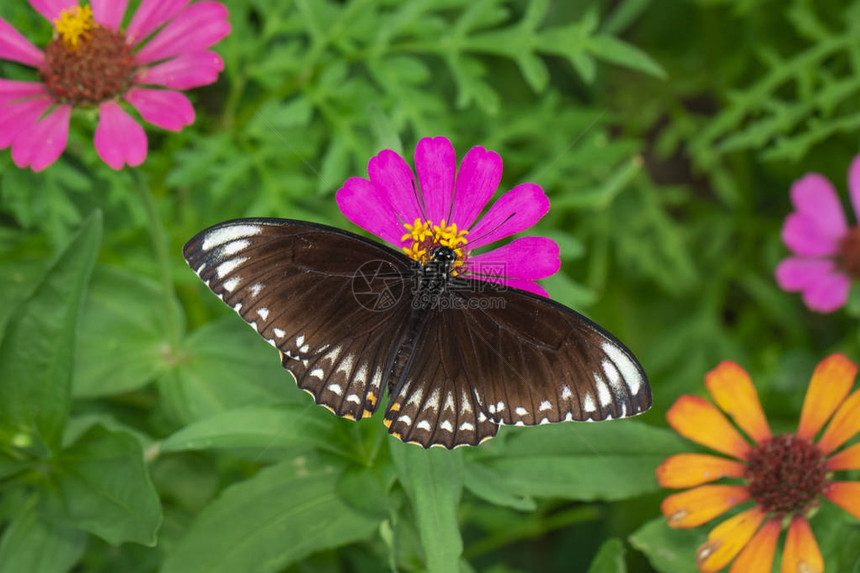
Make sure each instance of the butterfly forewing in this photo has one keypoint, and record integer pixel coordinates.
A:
(309, 291)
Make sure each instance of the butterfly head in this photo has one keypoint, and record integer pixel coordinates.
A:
(441, 244)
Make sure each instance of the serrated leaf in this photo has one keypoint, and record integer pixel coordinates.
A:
(30, 543)
(225, 365)
(263, 427)
(37, 349)
(608, 461)
(613, 50)
(269, 521)
(609, 558)
(668, 550)
(121, 304)
(101, 484)
(433, 480)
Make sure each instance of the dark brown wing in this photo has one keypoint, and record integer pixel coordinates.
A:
(332, 302)
(492, 355)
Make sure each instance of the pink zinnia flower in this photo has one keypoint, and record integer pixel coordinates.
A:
(93, 63)
(441, 208)
(826, 249)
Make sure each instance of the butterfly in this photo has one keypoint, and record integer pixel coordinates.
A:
(458, 357)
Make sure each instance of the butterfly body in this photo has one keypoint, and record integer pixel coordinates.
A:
(458, 356)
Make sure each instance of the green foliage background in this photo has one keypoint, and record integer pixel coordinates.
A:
(145, 428)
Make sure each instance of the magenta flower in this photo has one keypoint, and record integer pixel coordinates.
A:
(826, 249)
(92, 62)
(442, 208)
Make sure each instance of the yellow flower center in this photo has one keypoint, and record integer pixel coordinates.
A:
(74, 23)
(425, 236)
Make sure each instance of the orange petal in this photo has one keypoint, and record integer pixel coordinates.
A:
(688, 470)
(700, 505)
(847, 459)
(698, 420)
(733, 391)
(843, 426)
(759, 552)
(727, 539)
(801, 553)
(845, 494)
(831, 382)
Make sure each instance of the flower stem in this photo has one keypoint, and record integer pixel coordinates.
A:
(159, 242)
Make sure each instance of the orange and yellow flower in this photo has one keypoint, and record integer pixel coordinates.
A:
(784, 476)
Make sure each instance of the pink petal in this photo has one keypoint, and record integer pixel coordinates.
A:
(815, 198)
(521, 284)
(436, 167)
(367, 206)
(393, 177)
(795, 274)
(119, 138)
(477, 180)
(164, 108)
(828, 293)
(804, 237)
(854, 185)
(150, 16)
(525, 258)
(199, 26)
(183, 72)
(11, 90)
(109, 13)
(51, 9)
(17, 117)
(40, 146)
(515, 211)
(16, 48)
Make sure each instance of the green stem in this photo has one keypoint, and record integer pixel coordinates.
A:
(159, 242)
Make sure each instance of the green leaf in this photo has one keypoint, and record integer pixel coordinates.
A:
(366, 489)
(285, 426)
(101, 484)
(614, 50)
(31, 543)
(607, 461)
(488, 485)
(265, 523)
(225, 365)
(37, 349)
(433, 480)
(133, 355)
(668, 550)
(609, 558)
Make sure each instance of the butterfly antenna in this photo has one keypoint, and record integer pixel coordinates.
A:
(419, 198)
(494, 229)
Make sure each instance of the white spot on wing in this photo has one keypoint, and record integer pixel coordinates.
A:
(336, 389)
(520, 411)
(628, 369)
(300, 340)
(465, 404)
(449, 402)
(361, 375)
(228, 267)
(500, 406)
(588, 403)
(231, 233)
(279, 333)
(433, 401)
(346, 365)
(317, 373)
(353, 398)
(231, 284)
(238, 307)
(255, 290)
(424, 425)
(263, 313)
(234, 247)
(565, 392)
(467, 426)
(447, 426)
(415, 398)
(545, 405)
(603, 394)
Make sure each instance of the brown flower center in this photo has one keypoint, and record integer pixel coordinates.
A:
(849, 253)
(86, 63)
(786, 474)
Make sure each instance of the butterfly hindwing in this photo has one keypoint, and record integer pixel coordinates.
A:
(299, 286)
